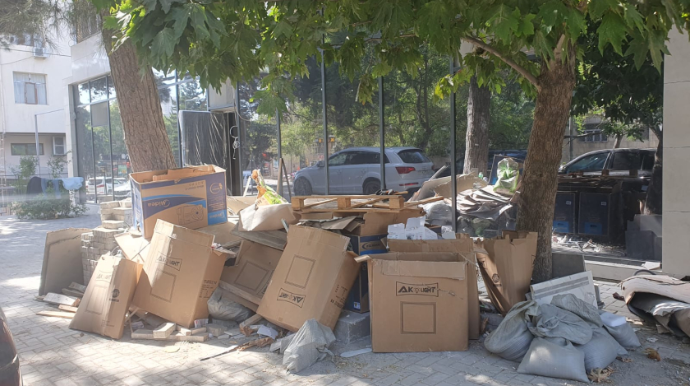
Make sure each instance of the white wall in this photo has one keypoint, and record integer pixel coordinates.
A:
(12, 161)
(676, 205)
(19, 117)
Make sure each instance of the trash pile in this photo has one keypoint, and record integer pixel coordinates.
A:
(566, 338)
(196, 265)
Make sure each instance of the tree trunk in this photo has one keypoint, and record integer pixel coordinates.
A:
(140, 108)
(539, 184)
(478, 120)
(653, 201)
(617, 143)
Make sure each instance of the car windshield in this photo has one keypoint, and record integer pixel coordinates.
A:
(413, 156)
(594, 162)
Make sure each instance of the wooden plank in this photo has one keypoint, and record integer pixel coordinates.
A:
(297, 203)
(245, 327)
(54, 298)
(313, 204)
(344, 202)
(57, 314)
(424, 201)
(164, 330)
(72, 293)
(77, 287)
(396, 202)
(67, 308)
(369, 202)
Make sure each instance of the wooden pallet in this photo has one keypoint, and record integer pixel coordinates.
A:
(353, 204)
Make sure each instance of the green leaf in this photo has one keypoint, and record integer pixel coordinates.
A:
(657, 46)
(526, 26)
(632, 17)
(597, 8)
(575, 23)
(639, 48)
(612, 30)
(282, 28)
(164, 43)
(181, 16)
(551, 13)
(504, 22)
(198, 19)
(149, 5)
(111, 22)
(166, 4)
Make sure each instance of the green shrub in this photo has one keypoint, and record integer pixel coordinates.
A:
(47, 207)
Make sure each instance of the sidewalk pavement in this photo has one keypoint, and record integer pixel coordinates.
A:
(52, 354)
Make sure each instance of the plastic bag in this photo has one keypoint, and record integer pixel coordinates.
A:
(555, 358)
(553, 322)
(309, 345)
(266, 196)
(512, 338)
(579, 307)
(508, 173)
(221, 307)
(601, 350)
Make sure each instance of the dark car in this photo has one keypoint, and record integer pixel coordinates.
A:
(518, 155)
(617, 161)
(9, 359)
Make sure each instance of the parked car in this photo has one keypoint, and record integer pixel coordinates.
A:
(104, 185)
(357, 170)
(10, 374)
(123, 188)
(617, 161)
(518, 155)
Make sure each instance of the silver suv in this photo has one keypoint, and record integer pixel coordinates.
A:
(357, 170)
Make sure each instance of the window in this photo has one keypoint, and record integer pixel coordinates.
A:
(58, 145)
(30, 89)
(626, 160)
(366, 158)
(25, 148)
(594, 162)
(413, 156)
(595, 136)
(338, 159)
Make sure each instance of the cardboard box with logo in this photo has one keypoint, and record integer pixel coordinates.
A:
(247, 282)
(180, 274)
(193, 197)
(312, 280)
(107, 298)
(464, 246)
(418, 302)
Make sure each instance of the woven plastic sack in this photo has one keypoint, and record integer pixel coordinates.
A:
(508, 173)
(601, 350)
(553, 322)
(221, 307)
(555, 358)
(624, 335)
(579, 307)
(512, 338)
(309, 345)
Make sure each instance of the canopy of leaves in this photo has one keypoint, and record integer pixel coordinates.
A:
(237, 38)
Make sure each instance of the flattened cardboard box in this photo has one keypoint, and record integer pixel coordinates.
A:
(193, 197)
(418, 302)
(312, 280)
(249, 279)
(180, 274)
(107, 298)
(464, 246)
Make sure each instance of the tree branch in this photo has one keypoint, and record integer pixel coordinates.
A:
(558, 51)
(488, 48)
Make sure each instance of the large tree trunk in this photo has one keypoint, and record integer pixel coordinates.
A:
(140, 108)
(653, 201)
(539, 184)
(478, 120)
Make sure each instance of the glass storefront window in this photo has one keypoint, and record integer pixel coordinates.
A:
(192, 96)
(83, 94)
(111, 88)
(99, 90)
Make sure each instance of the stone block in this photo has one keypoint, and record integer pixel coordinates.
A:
(109, 204)
(111, 224)
(352, 326)
(566, 264)
(639, 245)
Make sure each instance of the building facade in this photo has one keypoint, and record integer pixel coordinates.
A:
(33, 102)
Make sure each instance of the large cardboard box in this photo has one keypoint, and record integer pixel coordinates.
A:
(506, 267)
(312, 280)
(193, 197)
(418, 302)
(180, 274)
(107, 298)
(464, 246)
(247, 281)
(358, 299)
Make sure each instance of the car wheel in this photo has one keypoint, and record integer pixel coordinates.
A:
(302, 187)
(371, 187)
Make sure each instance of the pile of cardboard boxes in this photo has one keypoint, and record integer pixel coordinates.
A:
(288, 263)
